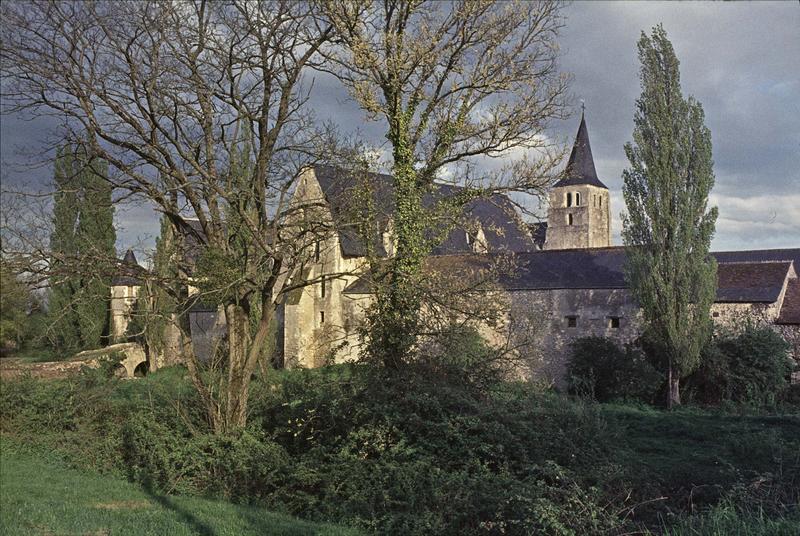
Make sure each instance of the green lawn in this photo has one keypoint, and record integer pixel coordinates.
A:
(44, 497)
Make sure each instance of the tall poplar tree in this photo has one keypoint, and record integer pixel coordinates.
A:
(668, 228)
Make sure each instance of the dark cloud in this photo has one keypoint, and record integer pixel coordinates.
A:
(740, 60)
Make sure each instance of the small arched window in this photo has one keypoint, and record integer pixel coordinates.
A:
(577, 199)
(569, 199)
(569, 219)
(599, 201)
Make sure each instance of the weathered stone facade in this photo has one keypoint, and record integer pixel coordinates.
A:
(572, 289)
(567, 315)
(578, 217)
(123, 298)
(124, 292)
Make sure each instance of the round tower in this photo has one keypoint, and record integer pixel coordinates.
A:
(579, 212)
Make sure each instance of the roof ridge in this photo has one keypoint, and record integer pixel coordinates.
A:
(763, 261)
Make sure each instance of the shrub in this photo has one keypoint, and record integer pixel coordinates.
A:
(244, 468)
(458, 353)
(750, 367)
(600, 369)
(419, 453)
(32, 406)
(728, 517)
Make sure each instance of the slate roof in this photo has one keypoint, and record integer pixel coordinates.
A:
(743, 276)
(790, 311)
(751, 281)
(503, 229)
(538, 233)
(580, 167)
(194, 240)
(127, 267)
(760, 255)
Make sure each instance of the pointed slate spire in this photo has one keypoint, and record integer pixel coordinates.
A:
(128, 266)
(580, 168)
(130, 258)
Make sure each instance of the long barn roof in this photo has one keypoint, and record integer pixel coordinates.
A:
(743, 276)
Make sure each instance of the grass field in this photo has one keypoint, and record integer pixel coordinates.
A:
(45, 497)
(732, 470)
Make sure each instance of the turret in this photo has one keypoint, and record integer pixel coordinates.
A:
(124, 290)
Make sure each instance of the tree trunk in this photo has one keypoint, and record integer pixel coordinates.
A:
(244, 352)
(673, 388)
(238, 380)
(190, 358)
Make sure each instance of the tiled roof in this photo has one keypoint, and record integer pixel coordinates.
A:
(751, 281)
(503, 229)
(760, 255)
(194, 240)
(790, 311)
(603, 268)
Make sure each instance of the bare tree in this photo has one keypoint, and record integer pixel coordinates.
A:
(200, 107)
(456, 83)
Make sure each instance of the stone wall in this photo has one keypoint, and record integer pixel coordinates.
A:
(594, 312)
(565, 315)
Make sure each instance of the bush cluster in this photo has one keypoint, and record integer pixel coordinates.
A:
(430, 449)
(750, 367)
(600, 369)
(392, 453)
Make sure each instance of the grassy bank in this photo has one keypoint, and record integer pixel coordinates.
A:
(41, 496)
(413, 455)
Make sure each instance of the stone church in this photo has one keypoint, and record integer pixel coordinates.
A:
(566, 271)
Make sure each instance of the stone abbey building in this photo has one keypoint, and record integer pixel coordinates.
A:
(566, 273)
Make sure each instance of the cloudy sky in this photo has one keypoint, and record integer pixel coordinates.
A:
(740, 60)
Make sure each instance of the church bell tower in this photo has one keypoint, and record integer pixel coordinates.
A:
(579, 212)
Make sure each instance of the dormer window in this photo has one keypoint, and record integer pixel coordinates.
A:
(569, 199)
